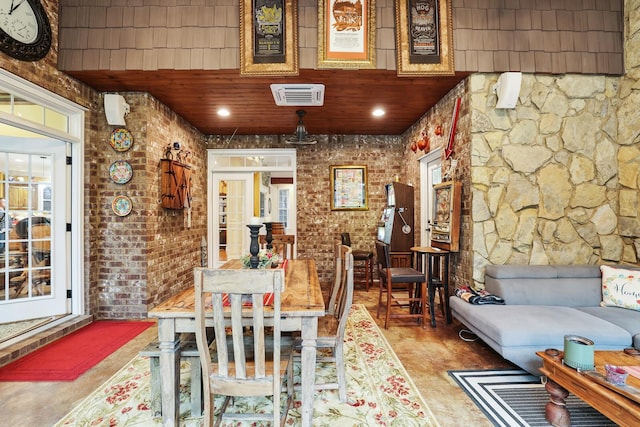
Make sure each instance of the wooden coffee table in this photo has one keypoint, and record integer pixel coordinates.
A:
(562, 380)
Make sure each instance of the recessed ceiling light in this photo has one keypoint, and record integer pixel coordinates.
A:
(224, 112)
(378, 112)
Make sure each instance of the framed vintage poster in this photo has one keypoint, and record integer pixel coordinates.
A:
(349, 188)
(346, 34)
(268, 37)
(424, 37)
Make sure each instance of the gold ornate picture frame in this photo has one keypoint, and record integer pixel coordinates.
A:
(349, 188)
(347, 34)
(424, 37)
(268, 37)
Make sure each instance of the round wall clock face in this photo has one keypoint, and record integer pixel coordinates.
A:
(25, 32)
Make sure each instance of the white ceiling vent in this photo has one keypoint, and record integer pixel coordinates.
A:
(298, 94)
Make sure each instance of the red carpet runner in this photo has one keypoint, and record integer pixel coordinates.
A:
(71, 356)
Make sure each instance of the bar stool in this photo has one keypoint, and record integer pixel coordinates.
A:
(405, 289)
(437, 272)
(362, 262)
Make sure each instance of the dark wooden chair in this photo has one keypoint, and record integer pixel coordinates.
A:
(405, 289)
(363, 263)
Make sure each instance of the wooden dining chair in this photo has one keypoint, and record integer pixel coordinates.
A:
(242, 364)
(338, 265)
(404, 288)
(332, 326)
(282, 244)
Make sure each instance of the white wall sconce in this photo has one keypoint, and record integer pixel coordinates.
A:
(508, 89)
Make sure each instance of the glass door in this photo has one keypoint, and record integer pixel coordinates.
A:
(33, 207)
(430, 175)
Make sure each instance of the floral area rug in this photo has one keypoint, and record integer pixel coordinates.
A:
(380, 393)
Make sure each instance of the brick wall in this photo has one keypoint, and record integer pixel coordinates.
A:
(149, 255)
(441, 114)
(318, 225)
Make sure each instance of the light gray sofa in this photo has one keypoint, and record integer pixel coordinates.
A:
(543, 304)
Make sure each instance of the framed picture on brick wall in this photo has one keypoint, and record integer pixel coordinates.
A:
(346, 34)
(349, 188)
(268, 37)
(424, 38)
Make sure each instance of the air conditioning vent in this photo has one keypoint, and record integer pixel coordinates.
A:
(294, 95)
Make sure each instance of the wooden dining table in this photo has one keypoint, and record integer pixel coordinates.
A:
(302, 305)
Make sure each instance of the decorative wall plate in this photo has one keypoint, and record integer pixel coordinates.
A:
(121, 139)
(120, 172)
(121, 205)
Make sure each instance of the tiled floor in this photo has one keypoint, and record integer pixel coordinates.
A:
(427, 354)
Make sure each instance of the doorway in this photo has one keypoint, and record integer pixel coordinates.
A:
(246, 186)
(430, 175)
(41, 261)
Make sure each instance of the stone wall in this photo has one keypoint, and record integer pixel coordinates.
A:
(629, 135)
(544, 175)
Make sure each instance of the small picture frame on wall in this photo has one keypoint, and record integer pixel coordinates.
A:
(349, 188)
(424, 38)
(268, 37)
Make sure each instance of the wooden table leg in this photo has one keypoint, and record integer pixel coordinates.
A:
(309, 342)
(169, 372)
(556, 411)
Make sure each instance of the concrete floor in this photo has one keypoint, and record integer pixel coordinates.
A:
(427, 354)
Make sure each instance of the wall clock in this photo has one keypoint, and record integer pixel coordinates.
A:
(25, 32)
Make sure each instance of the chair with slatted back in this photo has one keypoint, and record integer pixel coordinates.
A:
(242, 364)
(338, 265)
(332, 326)
(282, 244)
(404, 288)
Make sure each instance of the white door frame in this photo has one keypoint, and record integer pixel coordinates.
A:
(230, 161)
(74, 135)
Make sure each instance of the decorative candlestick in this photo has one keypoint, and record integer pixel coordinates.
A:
(269, 236)
(254, 247)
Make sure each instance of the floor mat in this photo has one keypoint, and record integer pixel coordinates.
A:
(513, 397)
(70, 356)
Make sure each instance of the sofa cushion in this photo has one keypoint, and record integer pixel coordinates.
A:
(620, 287)
(522, 325)
(520, 271)
(628, 320)
(567, 285)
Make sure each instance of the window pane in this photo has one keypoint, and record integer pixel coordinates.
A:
(283, 206)
(55, 120)
(28, 110)
(5, 102)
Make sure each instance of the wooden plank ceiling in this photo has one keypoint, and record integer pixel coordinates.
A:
(350, 97)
